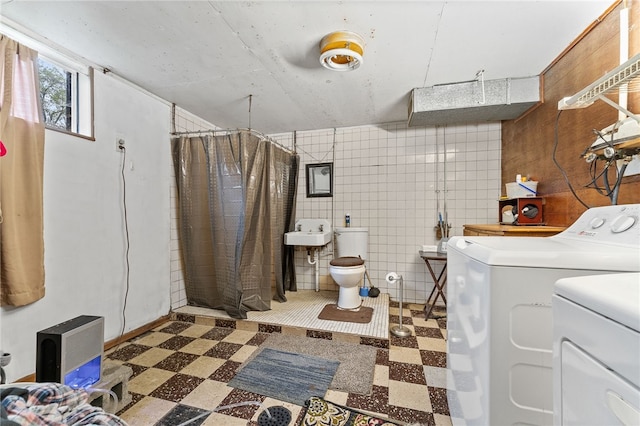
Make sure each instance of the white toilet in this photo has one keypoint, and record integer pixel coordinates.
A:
(347, 269)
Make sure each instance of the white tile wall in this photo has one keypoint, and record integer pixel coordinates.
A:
(392, 180)
(184, 122)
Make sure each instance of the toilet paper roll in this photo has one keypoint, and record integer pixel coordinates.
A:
(392, 277)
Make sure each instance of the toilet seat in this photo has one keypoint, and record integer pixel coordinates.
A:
(347, 261)
(348, 272)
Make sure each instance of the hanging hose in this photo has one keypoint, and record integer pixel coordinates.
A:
(105, 391)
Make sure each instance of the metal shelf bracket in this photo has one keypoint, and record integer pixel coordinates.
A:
(625, 74)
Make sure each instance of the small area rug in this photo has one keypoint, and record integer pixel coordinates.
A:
(332, 313)
(286, 376)
(357, 362)
(323, 413)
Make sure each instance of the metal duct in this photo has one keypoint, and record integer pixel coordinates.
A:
(467, 102)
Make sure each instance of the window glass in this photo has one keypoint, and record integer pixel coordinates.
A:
(55, 94)
(66, 86)
(67, 98)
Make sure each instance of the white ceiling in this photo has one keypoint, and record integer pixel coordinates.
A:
(209, 56)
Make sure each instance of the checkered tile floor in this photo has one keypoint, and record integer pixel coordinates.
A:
(181, 370)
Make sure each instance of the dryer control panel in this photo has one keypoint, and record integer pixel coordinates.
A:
(616, 225)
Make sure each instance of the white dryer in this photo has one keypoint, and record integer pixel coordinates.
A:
(499, 319)
(596, 350)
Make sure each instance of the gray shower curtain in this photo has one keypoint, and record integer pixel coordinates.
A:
(236, 198)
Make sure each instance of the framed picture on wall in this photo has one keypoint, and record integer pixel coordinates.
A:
(319, 180)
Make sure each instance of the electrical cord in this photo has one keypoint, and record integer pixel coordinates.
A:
(608, 190)
(555, 161)
(593, 169)
(595, 176)
(127, 242)
(616, 187)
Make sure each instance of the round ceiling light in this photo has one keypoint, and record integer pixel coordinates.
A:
(341, 51)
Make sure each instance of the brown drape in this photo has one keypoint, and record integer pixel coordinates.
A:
(236, 196)
(21, 177)
(284, 186)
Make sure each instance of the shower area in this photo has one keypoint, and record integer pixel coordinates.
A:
(236, 197)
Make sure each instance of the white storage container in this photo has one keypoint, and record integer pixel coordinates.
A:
(522, 189)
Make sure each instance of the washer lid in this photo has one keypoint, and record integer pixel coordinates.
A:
(616, 296)
(603, 238)
(547, 252)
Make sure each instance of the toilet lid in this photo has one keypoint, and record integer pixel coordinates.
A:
(347, 261)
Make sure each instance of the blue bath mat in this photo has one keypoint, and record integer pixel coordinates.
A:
(286, 376)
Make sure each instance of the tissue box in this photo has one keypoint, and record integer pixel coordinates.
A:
(522, 189)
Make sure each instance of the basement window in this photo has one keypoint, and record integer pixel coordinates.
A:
(66, 96)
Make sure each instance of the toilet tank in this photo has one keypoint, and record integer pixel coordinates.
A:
(351, 242)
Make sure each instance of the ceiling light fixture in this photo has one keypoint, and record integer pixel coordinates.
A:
(341, 51)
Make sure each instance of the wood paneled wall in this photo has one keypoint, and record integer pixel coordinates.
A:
(528, 142)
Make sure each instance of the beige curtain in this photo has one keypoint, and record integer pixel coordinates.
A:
(21, 171)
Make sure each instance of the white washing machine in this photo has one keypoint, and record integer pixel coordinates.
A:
(596, 350)
(499, 319)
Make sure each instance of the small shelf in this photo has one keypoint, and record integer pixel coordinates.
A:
(521, 203)
(498, 230)
(626, 73)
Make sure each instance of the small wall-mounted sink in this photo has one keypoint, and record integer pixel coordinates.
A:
(309, 233)
(308, 239)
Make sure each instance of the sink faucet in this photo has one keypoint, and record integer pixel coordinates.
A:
(321, 228)
(299, 227)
